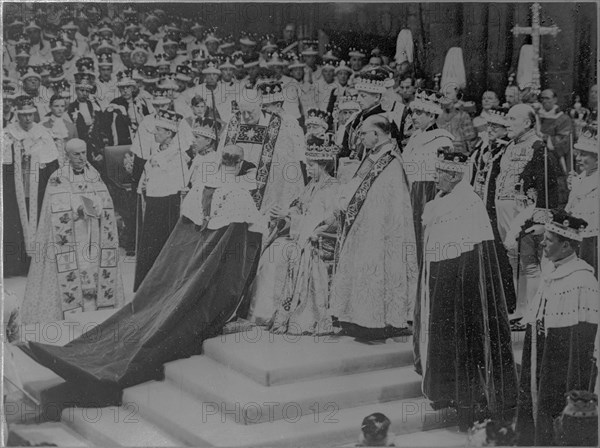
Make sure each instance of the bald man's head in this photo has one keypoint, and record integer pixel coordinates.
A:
(378, 121)
(375, 130)
(232, 155)
(520, 119)
(250, 110)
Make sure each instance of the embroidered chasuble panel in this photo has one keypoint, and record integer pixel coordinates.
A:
(86, 260)
(238, 132)
(251, 133)
(359, 197)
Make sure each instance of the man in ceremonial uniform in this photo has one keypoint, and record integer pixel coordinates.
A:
(40, 48)
(374, 286)
(462, 336)
(486, 162)
(419, 157)
(309, 57)
(523, 173)
(231, 87)
(36, 149)
(214, 93)
(369, 87)
(32, 86)
(342, 88)
(107, 84)
(163, 179)
(324, 86)
(30, 157)
(268, 143)
(84, 109)
(290, 87)
(357, 59)
(562, 321)
(346, 108)
(584, 197)
(125, 113)
(80, 44)
(78, 269)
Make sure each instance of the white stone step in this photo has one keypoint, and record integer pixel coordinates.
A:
(34, 377)
(281, 359)
(446, 437)
(45, 433)
(117, 426)
(227, 389)
(199, 423)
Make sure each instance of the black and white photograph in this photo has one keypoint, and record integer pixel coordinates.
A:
(293, 224)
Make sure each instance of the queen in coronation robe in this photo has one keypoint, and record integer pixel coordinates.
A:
(583, 199)
(193, 289)
(77, 267)
(462, 336)
(291, 289)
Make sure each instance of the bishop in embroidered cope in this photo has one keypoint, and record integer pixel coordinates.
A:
(76, 267)
(373, 290)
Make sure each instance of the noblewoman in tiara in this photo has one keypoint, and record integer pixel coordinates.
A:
(290, 291)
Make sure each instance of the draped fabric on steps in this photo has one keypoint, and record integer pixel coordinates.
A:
(192, 290)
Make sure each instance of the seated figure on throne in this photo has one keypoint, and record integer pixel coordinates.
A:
(291, 288)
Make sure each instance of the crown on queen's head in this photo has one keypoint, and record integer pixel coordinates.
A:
(321, 147)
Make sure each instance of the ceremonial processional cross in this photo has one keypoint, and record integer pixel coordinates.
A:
(535, 31)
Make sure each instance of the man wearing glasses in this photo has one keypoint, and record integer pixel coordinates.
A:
(528, 177)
